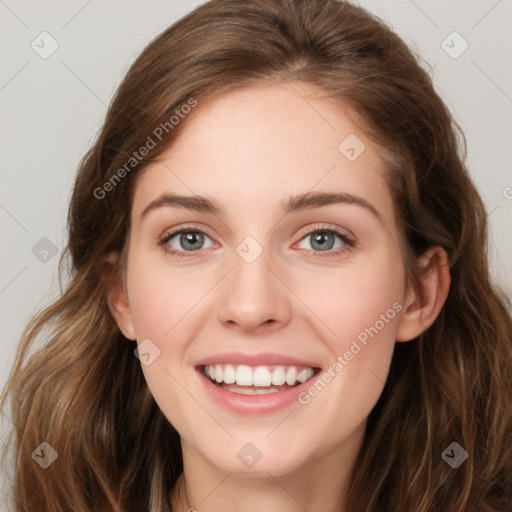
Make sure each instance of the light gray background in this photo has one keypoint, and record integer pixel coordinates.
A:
(52, 108)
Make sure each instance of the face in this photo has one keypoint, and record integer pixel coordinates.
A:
(319, 284)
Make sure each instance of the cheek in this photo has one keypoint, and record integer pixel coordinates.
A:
(161, 296)
(357, 297)
(359, 308)
(161, 302)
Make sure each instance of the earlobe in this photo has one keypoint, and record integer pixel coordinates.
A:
(424, 302)
(117, 299)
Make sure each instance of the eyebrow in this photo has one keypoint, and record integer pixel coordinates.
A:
(299, 202)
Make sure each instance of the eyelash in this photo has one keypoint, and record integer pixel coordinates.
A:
(348, 242)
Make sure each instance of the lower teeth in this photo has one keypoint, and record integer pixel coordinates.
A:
(252, 391)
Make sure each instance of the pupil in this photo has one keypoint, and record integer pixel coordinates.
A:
(190, 238)
(321, 239)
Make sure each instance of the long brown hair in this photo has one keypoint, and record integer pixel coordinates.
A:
(83, 391)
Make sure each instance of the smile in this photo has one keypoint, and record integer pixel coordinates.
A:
(257, 380)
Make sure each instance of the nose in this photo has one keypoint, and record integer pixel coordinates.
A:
(254, 295)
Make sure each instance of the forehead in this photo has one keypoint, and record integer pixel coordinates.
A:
(255, 146)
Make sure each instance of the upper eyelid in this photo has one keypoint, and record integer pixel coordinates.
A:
(327, 227)
(172, 232)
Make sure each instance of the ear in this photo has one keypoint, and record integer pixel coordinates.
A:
(117, 299)
(424, 301)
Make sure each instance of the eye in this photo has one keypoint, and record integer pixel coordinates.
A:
(323, 240)
(186, 240)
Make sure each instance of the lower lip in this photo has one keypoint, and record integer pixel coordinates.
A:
(252, 404)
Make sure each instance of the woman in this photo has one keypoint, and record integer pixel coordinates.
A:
(251, 371)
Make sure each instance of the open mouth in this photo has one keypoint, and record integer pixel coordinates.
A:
(259, 380)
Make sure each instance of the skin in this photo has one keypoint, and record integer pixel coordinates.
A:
(249, 150)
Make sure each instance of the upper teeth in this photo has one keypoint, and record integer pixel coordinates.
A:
(259, 375)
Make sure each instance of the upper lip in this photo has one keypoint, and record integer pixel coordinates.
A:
(262, 359)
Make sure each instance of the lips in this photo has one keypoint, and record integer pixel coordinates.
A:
(261, 359)
(250, 400)
(244, 397)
